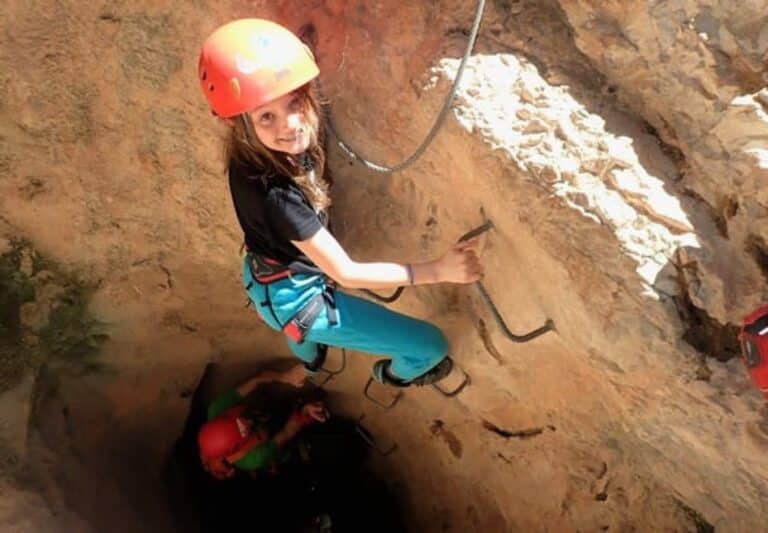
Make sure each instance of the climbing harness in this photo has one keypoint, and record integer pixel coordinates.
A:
(353, 155)
(265, 271)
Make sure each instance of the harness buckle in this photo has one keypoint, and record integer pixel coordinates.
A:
(296, 328)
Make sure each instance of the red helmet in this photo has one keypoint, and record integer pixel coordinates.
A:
(248, 62)
(219, 437)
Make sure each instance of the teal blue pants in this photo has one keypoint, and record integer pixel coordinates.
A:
(414, 346)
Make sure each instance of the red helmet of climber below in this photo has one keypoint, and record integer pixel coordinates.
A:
(234, 437)
(249, 62)
(224, 439)
(221, 437)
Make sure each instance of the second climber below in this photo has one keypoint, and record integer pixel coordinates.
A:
(258, 77)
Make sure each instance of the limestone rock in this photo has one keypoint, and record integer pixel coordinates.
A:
(695, 70)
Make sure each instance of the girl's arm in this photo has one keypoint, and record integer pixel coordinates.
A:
(259, 451)
(309, 413)
(459, 265)
(295, 376)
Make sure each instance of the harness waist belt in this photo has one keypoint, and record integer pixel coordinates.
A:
(266, 270)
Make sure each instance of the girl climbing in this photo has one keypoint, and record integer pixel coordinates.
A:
(258, 77)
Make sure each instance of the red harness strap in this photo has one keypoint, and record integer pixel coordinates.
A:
(266, 270)
(296, 328)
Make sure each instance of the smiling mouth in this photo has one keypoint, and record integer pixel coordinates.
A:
(293, 139)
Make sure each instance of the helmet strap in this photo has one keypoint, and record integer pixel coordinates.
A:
(250, 134)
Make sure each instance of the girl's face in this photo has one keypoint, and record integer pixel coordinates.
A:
(281, 124)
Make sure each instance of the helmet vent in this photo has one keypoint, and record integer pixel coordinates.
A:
(234, 87)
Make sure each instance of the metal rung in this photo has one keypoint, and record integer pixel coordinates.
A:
(368, 438)
(449, 394)
(374, 400)
(330, 374)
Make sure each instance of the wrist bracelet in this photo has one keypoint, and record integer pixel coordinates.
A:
(409, 270)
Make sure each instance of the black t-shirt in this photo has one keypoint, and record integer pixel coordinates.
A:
(272, 212)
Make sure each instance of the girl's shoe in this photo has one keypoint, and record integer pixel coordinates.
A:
(440, 371)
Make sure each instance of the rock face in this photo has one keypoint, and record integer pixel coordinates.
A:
(696, 72)
(618, 147)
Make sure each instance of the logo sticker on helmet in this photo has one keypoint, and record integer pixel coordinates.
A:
(283, 73)
(247, 66)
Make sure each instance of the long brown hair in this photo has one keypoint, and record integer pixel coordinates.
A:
(244, 147)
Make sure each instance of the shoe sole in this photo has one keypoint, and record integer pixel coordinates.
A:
(437, 373)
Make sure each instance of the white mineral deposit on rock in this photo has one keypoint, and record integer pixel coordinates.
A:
(649, 222)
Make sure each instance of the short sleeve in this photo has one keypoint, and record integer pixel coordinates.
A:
(260, 457)
(223, 402)
(290, 215)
